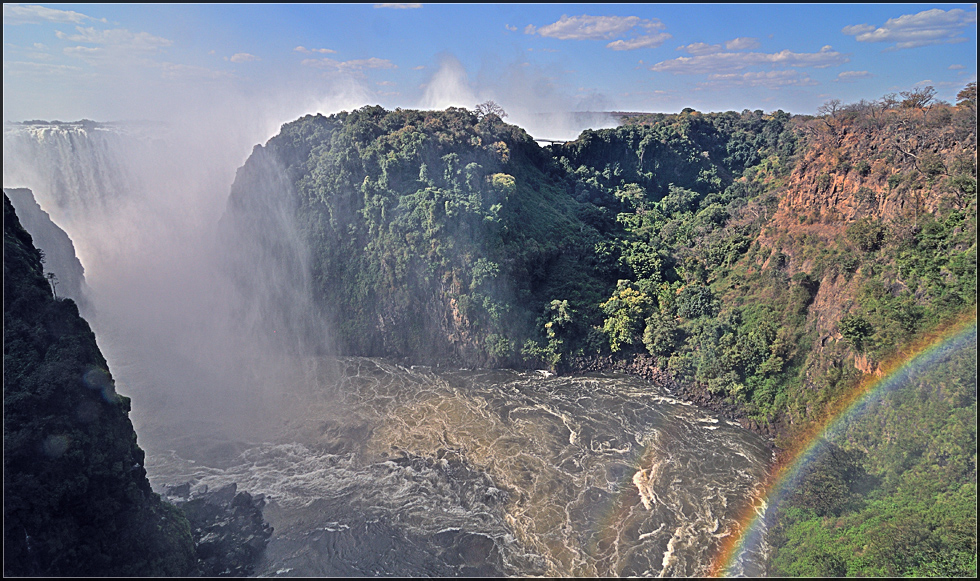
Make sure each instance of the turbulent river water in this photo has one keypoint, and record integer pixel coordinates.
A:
(377, 469)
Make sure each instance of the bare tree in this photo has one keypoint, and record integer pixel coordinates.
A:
(53, 281)
(490, 107)
(967, 98)
(918, 98)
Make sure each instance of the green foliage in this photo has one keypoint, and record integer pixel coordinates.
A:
(439, 235)
(897, 496)
(866, 234)
(626, 313)
(855, 330)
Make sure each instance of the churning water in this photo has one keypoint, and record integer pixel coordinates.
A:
(378, 469)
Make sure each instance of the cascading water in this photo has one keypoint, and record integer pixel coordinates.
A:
(371, 468)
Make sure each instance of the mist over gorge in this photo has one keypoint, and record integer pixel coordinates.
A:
(324, 331)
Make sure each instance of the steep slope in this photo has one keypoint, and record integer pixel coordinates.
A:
(59, 252)
(76, 497)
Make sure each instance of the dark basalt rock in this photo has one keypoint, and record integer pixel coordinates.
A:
(229, 531)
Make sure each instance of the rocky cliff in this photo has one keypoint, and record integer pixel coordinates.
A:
(59, 251)
(76, 497)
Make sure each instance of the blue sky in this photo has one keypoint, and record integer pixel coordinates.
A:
(108, 62)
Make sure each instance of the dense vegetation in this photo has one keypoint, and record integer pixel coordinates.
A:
(75, 494)
(762, 260)
(433, 235)
(898, 495)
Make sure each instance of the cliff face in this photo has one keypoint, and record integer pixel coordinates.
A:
(76, 497)
(889, 166)
(879, 203)
(59, 252)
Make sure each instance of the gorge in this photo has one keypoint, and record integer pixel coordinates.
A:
(384, 327)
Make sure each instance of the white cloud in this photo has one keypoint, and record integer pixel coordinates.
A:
(117, 38)
(914, 30)
(848, 76)
(587, 27)
(33, 14)
(770, 79)
(728, 61)
(956, 67)
(699, 48)
(398, 6)
(648, 41)
(351, 65)
(702, 48)
(742, 43)
(510, 28)
(21, 68)
(305, 50)
(243, 57)
(83, 51)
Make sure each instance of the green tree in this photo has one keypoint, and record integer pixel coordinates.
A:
(627, 310)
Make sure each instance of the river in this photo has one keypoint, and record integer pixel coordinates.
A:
(373, 469)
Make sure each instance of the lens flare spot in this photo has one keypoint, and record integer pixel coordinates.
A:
(56, 445)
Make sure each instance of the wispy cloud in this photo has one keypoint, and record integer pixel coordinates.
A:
(593, 27)
(351, 65)
(914, 30)
(702, 48)
(729, 61)
(243, 57)
(181, 71)
(742, 43)
(305, 50)
(117, 38)
(21, 68)
(33, 14)
(956, 67)
(849, 76)
(770, 79)
(587, 27)
(646, 41)
(398, 6)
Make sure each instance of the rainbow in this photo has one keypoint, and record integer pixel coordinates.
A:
(921, 353)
